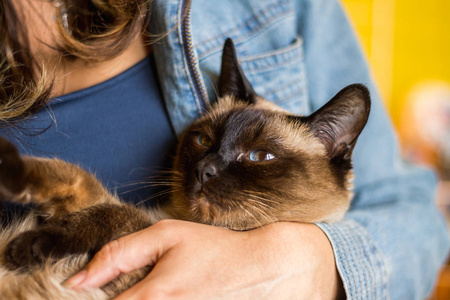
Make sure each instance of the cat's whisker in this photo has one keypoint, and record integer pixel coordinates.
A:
(256, 203)
(171, 173)
(263, 201)
(213, 85)
(156, 195)
(230, 219)
(263, 213)
(213, 115)
(259, 195)
(250, 214)
(168, 176)
(144, 182)
(150, 184)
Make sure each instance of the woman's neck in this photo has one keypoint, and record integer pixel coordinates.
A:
(78, 75)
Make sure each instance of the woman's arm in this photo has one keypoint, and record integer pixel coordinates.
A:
(196, 261)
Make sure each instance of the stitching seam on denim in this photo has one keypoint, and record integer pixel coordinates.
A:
(247, 66)
(294, 47)
(344, 260)
(356, 278)
(295, 89)
(365, 246)
(264, 15)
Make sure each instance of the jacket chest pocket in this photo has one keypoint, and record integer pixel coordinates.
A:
(277, 75)
(267, 43)
(280, 76)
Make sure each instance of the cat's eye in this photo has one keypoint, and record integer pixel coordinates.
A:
(204, 140)
(261, 155)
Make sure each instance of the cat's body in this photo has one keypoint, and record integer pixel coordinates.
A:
(244, 164)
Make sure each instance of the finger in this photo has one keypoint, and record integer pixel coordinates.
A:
(154, 286)
(127, 254)
(141, 290)
(120, 256)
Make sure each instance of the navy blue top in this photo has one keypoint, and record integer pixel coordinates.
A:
(118, 129)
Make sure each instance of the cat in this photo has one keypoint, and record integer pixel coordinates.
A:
(243, 164)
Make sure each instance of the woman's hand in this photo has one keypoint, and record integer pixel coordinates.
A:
(196, 261)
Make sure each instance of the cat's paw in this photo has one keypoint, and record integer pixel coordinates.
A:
(31, 248)
(12, 168)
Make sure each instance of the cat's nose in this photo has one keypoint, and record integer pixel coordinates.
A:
(206, 171)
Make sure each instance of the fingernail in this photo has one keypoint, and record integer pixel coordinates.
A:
(75, 281)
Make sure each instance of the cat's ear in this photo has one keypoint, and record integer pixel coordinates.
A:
(232, 80)
(340, 121)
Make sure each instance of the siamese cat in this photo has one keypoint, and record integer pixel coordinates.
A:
(243, 164)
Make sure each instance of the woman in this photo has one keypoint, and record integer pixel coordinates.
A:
(297, 54)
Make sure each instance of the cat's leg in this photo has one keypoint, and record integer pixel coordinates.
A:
(54, 186)
(85, 231)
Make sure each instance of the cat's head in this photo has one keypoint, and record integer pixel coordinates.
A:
(248, 162)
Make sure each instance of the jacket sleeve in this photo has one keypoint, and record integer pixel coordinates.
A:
(393, 240)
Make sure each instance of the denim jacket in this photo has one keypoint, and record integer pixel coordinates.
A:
(298, 54)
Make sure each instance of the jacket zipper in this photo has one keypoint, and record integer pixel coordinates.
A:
(194, 70)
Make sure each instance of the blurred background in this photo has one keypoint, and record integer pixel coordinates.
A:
(407, 43)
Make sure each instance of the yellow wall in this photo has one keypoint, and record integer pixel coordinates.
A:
(406, 41)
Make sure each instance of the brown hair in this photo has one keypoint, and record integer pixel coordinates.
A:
(91, 30)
